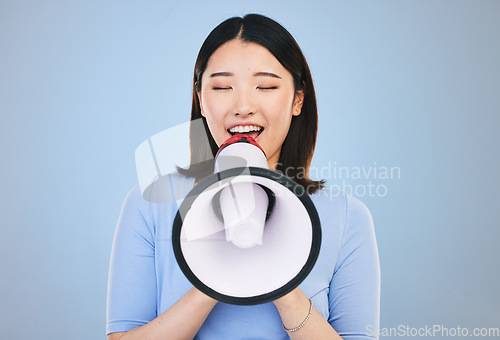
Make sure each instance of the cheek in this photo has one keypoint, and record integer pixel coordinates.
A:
(281, 103)
(214, 109)
(279, 112)
(215, 106)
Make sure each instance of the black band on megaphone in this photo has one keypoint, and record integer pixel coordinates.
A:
(225, 175)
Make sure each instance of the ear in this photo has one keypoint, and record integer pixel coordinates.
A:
(198, 93)
(297, 103)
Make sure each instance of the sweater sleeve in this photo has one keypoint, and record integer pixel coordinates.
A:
(354, 299)
(131, 300)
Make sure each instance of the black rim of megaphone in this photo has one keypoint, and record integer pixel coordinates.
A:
(295, 188)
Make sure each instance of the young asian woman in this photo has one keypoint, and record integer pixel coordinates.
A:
(250, 75)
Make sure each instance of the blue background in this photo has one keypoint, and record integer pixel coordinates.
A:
(407, 84)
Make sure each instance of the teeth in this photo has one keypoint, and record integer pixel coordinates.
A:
(246, 128)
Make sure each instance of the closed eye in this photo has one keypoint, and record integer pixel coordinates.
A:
(220, 88)
(267, 88)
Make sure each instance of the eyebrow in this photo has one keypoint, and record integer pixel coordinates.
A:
(256, 74)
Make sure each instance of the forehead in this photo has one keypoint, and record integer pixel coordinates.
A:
(240, 57)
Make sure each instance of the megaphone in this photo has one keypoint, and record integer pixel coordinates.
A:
(246, 235)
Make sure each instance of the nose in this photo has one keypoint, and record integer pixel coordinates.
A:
(244, 103)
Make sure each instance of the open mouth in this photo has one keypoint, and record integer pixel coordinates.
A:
(249, 130)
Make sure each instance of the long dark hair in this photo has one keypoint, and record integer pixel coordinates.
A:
(298, 147)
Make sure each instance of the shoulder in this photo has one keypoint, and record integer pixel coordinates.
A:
(359, 244)
(146, 208)
(134, 201)
(347, 207)
(345, 219)
(135, 195)
(135, 211)
(339, 199)
(170, 188)
(357, 211)
(331, 208)
(166, 189)
(359, 220)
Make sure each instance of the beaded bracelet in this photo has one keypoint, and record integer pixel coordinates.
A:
(303, 322)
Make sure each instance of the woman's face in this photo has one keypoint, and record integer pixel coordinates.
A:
(246, 89)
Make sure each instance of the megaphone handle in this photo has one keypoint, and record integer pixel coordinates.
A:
(270, 196)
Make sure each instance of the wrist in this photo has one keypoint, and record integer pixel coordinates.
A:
(291, 330)
(201, 297)
(290, 300)
(295, 309)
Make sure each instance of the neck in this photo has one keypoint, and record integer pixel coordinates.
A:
(273, 163)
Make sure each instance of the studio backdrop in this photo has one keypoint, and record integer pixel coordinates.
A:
(408, 116)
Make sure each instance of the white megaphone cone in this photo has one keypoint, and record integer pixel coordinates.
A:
(246, 234)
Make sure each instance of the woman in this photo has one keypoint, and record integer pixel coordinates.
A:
(250, 74)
